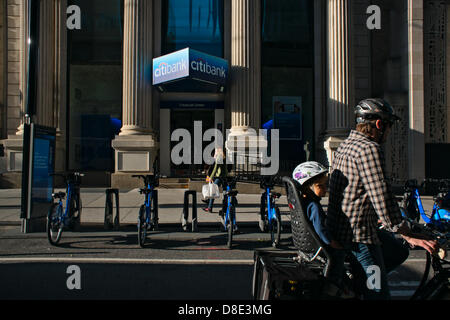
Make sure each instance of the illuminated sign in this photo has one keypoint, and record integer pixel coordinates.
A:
(190, 64)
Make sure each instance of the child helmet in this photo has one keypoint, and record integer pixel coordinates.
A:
(308, 170)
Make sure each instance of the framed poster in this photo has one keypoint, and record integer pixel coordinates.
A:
(287, 115)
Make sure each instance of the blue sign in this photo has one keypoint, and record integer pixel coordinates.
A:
(190, 64)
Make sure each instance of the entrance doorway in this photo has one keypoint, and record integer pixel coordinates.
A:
(184, 119)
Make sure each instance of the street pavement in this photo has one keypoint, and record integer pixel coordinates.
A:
(175, 264)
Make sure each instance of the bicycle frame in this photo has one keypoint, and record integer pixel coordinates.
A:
(69, 198)
(270, 207)
(229, 206)
(441, 213)
(148, 203)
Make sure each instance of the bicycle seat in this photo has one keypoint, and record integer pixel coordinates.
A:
(59, 195)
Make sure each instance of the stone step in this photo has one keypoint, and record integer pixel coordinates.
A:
(174, 183)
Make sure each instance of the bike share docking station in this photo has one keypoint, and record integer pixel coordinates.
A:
(109, 224)
(185, 214)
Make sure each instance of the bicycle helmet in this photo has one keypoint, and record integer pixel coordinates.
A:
(308, 170)
(374, 109)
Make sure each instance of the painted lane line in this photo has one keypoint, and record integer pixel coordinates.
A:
(404, 284)
(402, 293)
(124, 261)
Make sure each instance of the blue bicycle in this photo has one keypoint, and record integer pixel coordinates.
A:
(441, 208)
(228, 211)
(270, 217)
(148, 212)
(57, 217)
(412, 207)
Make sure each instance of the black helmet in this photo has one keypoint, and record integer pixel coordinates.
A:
(375, 109)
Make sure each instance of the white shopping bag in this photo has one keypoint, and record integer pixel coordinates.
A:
(210, 191)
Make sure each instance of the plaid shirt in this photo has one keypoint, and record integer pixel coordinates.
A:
(359, 193)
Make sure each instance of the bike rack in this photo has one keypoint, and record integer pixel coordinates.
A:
(185, 214)
(108, 224)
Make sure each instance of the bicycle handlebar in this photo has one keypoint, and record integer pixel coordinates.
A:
(442, 238)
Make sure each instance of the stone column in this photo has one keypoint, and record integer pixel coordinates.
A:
(136, 147)
(46, 114)
(340, 84)
(416, 137)
(245, 90)
(51, 101)
(17, 36)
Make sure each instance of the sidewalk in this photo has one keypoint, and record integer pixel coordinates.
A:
(170, 206)
(170, 203)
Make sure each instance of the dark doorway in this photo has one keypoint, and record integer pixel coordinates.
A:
(184, 119)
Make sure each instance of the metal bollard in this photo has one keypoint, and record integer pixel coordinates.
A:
(108, 224)
(185, 214)
(155, 206)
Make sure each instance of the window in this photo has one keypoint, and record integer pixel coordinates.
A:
(287, 57)
(197, 24)
(95, 84)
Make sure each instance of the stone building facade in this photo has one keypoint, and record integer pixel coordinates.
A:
(322, 53)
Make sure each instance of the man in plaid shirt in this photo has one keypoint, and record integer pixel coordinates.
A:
(361, 198)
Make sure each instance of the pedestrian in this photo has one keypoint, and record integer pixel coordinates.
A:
(218, 174)
(361, 198)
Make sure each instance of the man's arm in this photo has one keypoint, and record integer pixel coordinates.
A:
(383, 201)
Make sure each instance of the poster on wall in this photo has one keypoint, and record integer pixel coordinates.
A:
(287, 115)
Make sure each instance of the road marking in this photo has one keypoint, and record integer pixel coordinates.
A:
(402, 293)
(121, 260)
(404, 284)
(416, 260)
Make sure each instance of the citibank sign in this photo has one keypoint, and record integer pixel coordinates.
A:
(191, 64)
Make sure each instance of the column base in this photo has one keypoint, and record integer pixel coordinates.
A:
(244, 148)
(331, 144)
(133, 155)
(12, 164)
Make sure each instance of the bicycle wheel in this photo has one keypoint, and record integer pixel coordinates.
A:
(230, 229)
(54, 224)
(275, 232)
(154, 211)
(75, 214)
(108, 221)
(142, 227)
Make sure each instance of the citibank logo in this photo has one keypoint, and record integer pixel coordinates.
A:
(202, 65)
(165, 69)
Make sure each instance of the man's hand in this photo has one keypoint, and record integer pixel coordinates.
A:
(420, 240)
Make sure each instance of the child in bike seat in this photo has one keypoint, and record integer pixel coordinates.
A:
(313, 178)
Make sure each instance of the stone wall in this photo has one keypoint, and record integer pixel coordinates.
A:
(14, 21)
(2, 71)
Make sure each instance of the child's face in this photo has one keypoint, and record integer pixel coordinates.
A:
(320, 187)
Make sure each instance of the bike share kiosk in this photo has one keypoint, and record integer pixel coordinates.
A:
(38, 165)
